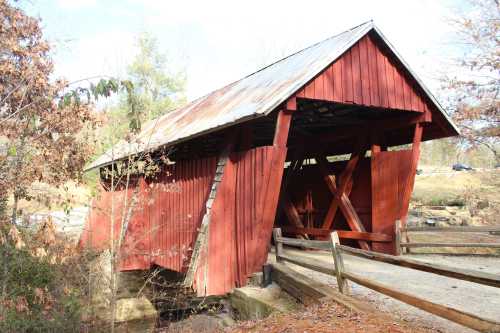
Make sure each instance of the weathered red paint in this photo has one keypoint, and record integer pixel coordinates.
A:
(169, 210)
(164, 220)
(390, 172)
(367, 75)
(240, 230)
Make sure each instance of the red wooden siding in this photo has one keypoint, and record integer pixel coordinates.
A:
(239, 233)
(390, 172)
(164, 220)
(177, 205)
(367, 75)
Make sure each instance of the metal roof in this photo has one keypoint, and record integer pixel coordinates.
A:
(255, 95)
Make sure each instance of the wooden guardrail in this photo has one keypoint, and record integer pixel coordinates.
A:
(342, 276)
(400, 231)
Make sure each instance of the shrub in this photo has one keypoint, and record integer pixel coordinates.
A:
(38, 288)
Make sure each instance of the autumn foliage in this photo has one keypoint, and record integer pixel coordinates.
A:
(475, 90)
(40, 138)
(42, 281)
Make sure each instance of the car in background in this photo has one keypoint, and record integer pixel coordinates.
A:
(461, 167)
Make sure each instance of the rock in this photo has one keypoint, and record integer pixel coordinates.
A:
(482, 204)
(442, 216)
(257, 303)
(201, 323)
(137, 308)
(134, 312)
(135, 315)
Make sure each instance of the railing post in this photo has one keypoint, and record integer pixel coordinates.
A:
(407, 240)
(339, 264)
(278, 245)
(397, 237)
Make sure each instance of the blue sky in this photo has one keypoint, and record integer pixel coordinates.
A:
(217, 42)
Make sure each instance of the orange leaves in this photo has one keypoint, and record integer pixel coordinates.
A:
(326, 317)
(51, 144)
(16, 238)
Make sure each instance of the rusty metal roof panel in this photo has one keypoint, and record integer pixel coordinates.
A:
(254, 96)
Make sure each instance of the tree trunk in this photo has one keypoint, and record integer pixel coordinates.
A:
(14, 208)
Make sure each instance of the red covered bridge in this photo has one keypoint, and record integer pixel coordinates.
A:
(305, 143)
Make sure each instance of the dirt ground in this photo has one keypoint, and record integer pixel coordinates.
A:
(470, 297)
(325, 318)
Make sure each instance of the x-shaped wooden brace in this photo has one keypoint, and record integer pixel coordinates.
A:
(341, 194)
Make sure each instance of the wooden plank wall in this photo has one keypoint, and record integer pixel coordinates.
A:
(239, 232)
(390, 172)
(367, 75)
(164, 221)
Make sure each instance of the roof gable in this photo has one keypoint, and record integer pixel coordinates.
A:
(254, 96)
(366, 75)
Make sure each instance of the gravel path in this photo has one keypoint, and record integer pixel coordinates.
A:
(462, 295)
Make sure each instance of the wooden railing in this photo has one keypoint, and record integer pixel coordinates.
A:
(342, 275)
(403, 231)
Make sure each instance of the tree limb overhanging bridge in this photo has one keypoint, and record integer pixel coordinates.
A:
(267, 151)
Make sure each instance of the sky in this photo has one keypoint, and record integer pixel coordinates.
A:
(217, 42)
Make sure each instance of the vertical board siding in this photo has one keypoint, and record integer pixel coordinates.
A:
(390, 171)
(366, 75)
(168, 212)
(164, 219)
(239, 233)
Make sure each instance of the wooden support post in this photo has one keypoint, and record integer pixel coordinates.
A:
(339, 264)
(282, 128)
(408, 188)
(407, 238)
(397, 237)
(278, 245)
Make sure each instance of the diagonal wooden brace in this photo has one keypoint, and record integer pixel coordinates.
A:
(340, 199)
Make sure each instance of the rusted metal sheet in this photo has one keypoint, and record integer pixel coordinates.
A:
(239, 233)
(367, 75)
(164, 219)
(390, 172)
(260, 93)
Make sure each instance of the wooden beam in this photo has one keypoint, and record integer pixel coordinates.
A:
(311, 244)
(283, 122)
(344, 133)
(290, 211)
(454, 229)
(343, 201)
(460, 317)
(291, 104)
(346, 234)
(482, 245)
(307, 290)
(408, 187)
(487, 279)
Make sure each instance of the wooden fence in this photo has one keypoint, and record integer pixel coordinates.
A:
(342, 276)
(403, 231)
